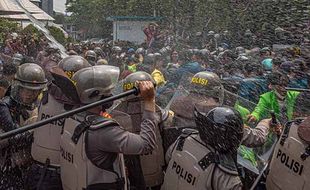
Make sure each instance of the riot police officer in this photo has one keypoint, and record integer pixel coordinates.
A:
(289, 165)
(100, 54)
(60, 97)
(206, 87)
(17, 59)
(206, 160)
(91, 57)
(92, 145)
(153, 163)
(17, 110)
(203, 87)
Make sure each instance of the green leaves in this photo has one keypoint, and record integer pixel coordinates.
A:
(7, 26)
(192, 16)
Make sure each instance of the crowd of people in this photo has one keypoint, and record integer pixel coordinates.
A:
(202, 119)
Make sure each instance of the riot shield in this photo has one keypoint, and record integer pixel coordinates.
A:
(165, 93)
(182, 106)
(182, 103)
(252, 160)
(132, 162)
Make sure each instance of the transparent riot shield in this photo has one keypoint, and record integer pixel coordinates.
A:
(253, 160)
(117, 90)
(123, 119)
(132, 162)
(165, 93)
(182, 104)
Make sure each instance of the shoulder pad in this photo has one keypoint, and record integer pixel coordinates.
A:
(188, 131)
(227, 164)
(227, 170)
(98, 122)
(287, 128)
(185, 134)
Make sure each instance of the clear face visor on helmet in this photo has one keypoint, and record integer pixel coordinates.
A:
(219, 136)
(26, 93)
(209, 133)
(205, 93)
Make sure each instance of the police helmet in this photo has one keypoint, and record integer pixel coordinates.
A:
(29, 76)
(91, 53)
(72, 64)
(91, 57)
(130, 80)
(116, 49)
(165, 50)
(221, 128)
(208, 84)
(140, 51)
(98, 51)
(18, 59)
(96, 82)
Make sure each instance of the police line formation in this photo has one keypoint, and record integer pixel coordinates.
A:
(209, 132)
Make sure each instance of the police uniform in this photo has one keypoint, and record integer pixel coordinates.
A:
(91, 148)
(255, 137)
(18, 110)
(14, 115)
(184, 118)
(45, 149)
(198, 168)
(152, 163)
(203, 86)
(61, 97)
(289, 165)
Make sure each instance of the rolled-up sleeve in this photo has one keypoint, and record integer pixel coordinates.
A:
(253, 137)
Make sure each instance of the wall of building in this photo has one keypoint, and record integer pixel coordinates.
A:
(48, 6)
(129, 31)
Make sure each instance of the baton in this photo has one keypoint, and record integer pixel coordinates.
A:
(274, 121)
(299, 89)
(134, 91)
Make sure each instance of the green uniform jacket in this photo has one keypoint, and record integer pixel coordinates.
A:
(268, 102)
(244, 112)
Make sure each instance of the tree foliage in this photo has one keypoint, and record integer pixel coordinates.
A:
(30, 29)
(57, 34)
(194, 15)
(7, 26)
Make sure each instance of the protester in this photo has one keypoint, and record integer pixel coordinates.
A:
(254, 72)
